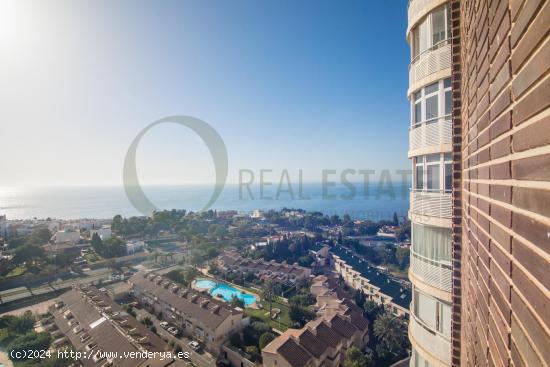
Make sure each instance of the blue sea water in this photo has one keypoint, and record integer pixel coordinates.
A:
(226, 291)
(379, 201)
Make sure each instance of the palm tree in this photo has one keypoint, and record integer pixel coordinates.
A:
(267, 293)
(391, 332)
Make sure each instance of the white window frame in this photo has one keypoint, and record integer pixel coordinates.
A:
(438, 312)
(429, 33)
(441, 89)
(444, 158)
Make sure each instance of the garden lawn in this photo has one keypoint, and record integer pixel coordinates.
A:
(262, 314)
(91, 258)
(21, 269)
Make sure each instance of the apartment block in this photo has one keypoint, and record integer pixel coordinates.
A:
(376, 285)
(88, 320)
(265, 270)
(501, 197)
(198, 315)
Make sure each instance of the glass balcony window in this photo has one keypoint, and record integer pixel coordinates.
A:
(432, 31)
(433, 173)
(430, 101)
(432, 243)
(433, 313)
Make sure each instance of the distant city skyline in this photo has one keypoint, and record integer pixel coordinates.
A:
(308, 85)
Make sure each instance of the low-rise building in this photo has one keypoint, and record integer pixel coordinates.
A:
(257, 214)
(134, 246)
(66, 236)
(95, 325)
(265, 270)
(197, 314)
(321, 342)
(52, 249)
(376, 284)
(104, 232)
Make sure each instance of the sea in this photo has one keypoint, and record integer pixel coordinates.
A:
(373, 201)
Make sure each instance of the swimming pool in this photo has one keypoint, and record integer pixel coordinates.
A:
(227, 292)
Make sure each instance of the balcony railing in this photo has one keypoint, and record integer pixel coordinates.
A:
(431, 203)
(430, 61)
(431, 133)
(434, 343)
(431, 272)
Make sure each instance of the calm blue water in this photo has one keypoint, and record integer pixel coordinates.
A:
(108, 201)
(227, 292)
(205, 283)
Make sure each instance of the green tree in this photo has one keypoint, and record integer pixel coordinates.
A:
(29, 341)
(189, 274)
(372, 310)
(356, 358)
(267, 293)
(395, 219)
(28, 253)
(391, 332)
(402, 255)
(235, 340)
(252, 351)
(21, 324)
(404, 231)
(147, 321)
(265, 339)
(237, 302)
(39, 237)
(177, 276)
(213, 267)
(97, 243)
(300, 315)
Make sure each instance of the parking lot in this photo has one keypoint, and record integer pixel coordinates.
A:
(201, 358)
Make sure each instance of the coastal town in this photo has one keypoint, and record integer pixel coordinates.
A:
(278, 288)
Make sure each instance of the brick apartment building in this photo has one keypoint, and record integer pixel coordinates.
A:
(501, 188)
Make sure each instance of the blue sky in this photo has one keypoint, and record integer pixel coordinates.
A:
(291, 85)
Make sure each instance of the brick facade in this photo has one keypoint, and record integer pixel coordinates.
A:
(501, 224)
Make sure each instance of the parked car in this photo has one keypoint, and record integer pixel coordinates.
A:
(164, 325)
(174, 331)
(194, 345)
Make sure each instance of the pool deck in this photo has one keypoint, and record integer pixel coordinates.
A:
(4, 359)
(253, 305)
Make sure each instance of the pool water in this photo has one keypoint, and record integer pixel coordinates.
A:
(227, 292)
(205, 283)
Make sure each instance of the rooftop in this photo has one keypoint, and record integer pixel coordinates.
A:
(86, 315)
(199, 306)
(401, 295)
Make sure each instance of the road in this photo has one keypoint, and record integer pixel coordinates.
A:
(203, 359)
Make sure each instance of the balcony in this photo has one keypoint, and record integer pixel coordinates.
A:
(431, 203)
(428, 341)
(430, 137)
(431, 272)
(432, 64)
